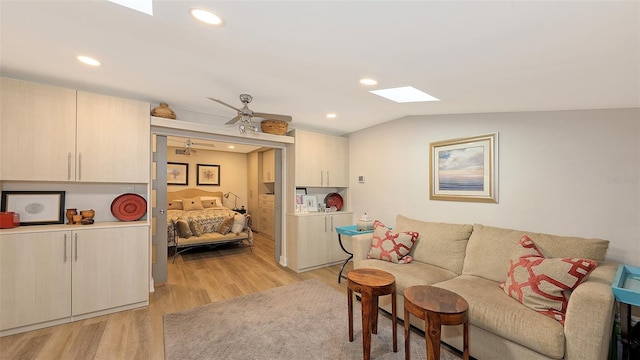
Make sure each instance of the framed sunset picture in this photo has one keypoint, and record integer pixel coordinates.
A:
(464, 169)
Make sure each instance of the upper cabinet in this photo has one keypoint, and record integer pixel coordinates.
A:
(112, 132)
(321, 160)
(55, 134)
(37, 131)
(268, 166)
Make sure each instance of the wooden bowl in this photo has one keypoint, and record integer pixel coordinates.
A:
(276, 127)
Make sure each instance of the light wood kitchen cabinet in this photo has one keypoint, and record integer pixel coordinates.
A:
(35, 278)
(268, 166)
(312, 241)
(320, 160)
(56, 134)
(57, 276)
(37, 131)
(112, 131)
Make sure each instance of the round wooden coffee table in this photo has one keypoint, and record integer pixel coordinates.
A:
(436, 307)
(371, 283)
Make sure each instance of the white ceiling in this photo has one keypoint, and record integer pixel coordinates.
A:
(305, 58)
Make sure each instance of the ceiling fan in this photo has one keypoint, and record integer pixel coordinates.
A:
(188, 147)
(246, 115)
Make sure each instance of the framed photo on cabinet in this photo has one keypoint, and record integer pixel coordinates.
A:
(177, 173)
(208, 174)
(35, 207)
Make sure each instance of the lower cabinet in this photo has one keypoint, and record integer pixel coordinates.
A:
(312, 241)
(53, 277)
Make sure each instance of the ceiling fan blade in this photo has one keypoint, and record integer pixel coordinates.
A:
(234, 120)
(286, 118)
(225, 104)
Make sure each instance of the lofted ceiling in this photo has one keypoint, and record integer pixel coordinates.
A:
(305, 58)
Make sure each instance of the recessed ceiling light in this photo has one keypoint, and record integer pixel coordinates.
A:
(88, 60)
(368, 82)
(206, 17)
(331, 115)
(404, 94)
(231, 147)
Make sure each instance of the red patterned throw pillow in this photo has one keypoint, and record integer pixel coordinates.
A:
(388, 246)
(544, 284)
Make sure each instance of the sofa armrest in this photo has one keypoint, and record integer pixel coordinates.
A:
(589, 317)
(360, 246)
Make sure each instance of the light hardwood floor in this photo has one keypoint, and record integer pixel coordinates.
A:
(196, 278)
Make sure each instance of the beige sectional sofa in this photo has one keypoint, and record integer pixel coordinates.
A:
(472, 260)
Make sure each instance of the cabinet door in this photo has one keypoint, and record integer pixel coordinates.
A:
(268, 166)
(312, 249)
(110, 268)
(37, 131)
(309, 159)
(336, 161)
(35, 278)
(113, 139)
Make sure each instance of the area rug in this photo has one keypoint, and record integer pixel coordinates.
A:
(304, 320)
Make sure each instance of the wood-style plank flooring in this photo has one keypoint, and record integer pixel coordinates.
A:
(196, 278)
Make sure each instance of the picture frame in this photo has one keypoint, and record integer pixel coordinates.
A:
(300, 192)
(208, 174)
(35, 207)
(310, 203)
(177, 173)
(464, 169)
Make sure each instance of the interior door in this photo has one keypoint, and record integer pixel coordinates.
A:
(159, 211)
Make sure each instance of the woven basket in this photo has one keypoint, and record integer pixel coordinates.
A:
(276, 127)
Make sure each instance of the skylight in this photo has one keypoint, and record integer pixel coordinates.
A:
(144, 6)
(404, 94)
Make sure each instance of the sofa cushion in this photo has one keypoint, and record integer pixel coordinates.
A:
(414, 273)
(496, 313)
(183, 229)
(489, 249)
(544, 284)
(175, 205)
(389, 246)
(192, 204)
(238, 223)
(439, 244)
(195, 227)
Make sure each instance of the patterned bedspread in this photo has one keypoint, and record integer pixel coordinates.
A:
(209, 218)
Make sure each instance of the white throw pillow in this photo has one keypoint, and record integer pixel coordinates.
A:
(238, 223)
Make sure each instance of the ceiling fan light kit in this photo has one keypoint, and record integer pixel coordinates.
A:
(246, 115)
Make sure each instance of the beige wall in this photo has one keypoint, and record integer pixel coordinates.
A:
(233, 172)
(561, 172)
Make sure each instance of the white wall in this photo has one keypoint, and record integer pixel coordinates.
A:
(563, 172)
(233, 172)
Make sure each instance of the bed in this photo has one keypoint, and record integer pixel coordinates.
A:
(198, 218)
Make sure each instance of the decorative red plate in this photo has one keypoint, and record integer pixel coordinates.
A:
(334, 199)
(129, 207)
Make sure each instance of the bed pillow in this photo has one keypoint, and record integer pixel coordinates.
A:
(211, 201)
(183, 229)
(391, 247)
(544, 284)
(195, 227)
(225, 226)
(238, 223)
(192, 204)
(175, 205)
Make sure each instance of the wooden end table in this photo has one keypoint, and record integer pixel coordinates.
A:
(436, 307)
(371, 283)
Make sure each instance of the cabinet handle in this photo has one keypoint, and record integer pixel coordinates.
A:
(325, 224)
(331, 221)
(69, 166)
(65, 248)
(321, 177)
(327, 177)
(79, 166)
(76, 238)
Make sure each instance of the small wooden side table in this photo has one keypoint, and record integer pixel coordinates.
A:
(436, 307)
(371, 283)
